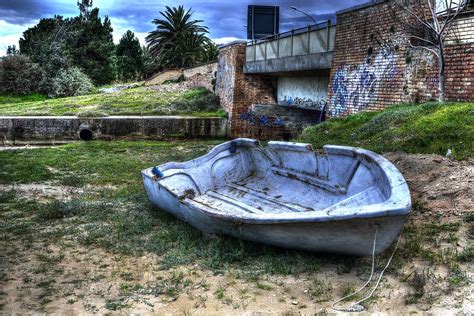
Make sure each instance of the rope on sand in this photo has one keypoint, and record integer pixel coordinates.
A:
(357, 307)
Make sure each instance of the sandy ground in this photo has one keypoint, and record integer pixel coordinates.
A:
(66, 278)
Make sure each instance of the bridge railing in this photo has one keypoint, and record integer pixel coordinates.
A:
(315, 38)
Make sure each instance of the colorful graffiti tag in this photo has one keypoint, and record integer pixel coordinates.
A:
(262, 120)
(358, 87)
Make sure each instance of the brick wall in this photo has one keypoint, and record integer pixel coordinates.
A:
(373, 68)
(238, 92)
(460, 72)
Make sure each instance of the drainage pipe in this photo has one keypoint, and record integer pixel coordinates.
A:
(85, 133)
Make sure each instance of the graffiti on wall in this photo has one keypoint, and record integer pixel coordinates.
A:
(358, 87)
(305, 103)
(261, 120)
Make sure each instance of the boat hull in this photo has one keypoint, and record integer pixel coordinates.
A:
(287, 195)
(352, 236)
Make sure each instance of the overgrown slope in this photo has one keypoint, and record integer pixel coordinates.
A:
(422, 128)
(136, 101)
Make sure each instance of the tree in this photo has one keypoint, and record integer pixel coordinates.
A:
(92, 48)
(18, 75)
(209, 52)
(187, 52)
(12, 50)
(427, 24)
(129, 57)
(178, 40)
(84, 8)
(151, 65)
(83, 41)
(45, 41)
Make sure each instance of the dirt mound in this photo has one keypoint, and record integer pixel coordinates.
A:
(443, 184)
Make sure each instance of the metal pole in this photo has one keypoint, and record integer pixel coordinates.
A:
(274, 20)
(278, 45)
(255, 50)
(327, 36)
(309, 35)
(265, 57)
(309, 16)
(292, 33)
(253, 26)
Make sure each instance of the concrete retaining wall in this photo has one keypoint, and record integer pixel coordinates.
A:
(67, 127)
(205, 69)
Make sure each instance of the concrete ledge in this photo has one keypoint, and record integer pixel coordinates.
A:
(293, 63)
(67, 127)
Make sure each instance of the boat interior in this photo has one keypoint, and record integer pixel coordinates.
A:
(245, 178)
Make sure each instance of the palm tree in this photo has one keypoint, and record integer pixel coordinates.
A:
(210, 52)
(177, 39)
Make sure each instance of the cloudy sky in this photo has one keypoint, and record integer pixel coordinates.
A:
(225, 18)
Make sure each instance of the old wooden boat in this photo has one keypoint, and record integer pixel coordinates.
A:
(287, 195)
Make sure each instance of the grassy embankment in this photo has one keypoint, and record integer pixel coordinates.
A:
(136, 101)
(423, 128)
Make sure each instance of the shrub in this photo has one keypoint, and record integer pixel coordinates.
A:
(19, 75)
(70, 82)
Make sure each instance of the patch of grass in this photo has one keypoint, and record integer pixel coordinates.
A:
(220, 293)
(417, 281)
(466, 255)
(115, 305)
(412, 128)
(320, 290)
(170, 287)
(262, 286)
(348, 289)
(11, 99)
(63, 209)
(422, 241)
(416, 244)
(7, 196)
(135, 101)
(96, 162)
(458, 278)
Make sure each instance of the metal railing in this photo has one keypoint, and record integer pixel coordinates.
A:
(316, 38)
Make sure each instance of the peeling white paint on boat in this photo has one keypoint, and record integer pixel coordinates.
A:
(287, 195)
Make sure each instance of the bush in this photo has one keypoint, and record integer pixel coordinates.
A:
(69, 82)
(19, 75)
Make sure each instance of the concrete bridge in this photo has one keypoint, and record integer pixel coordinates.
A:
(305, 49)
(298, 63)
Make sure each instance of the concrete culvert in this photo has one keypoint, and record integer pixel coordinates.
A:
(85, 133)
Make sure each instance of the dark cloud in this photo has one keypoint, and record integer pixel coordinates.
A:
(224, 18)
(25, 11)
